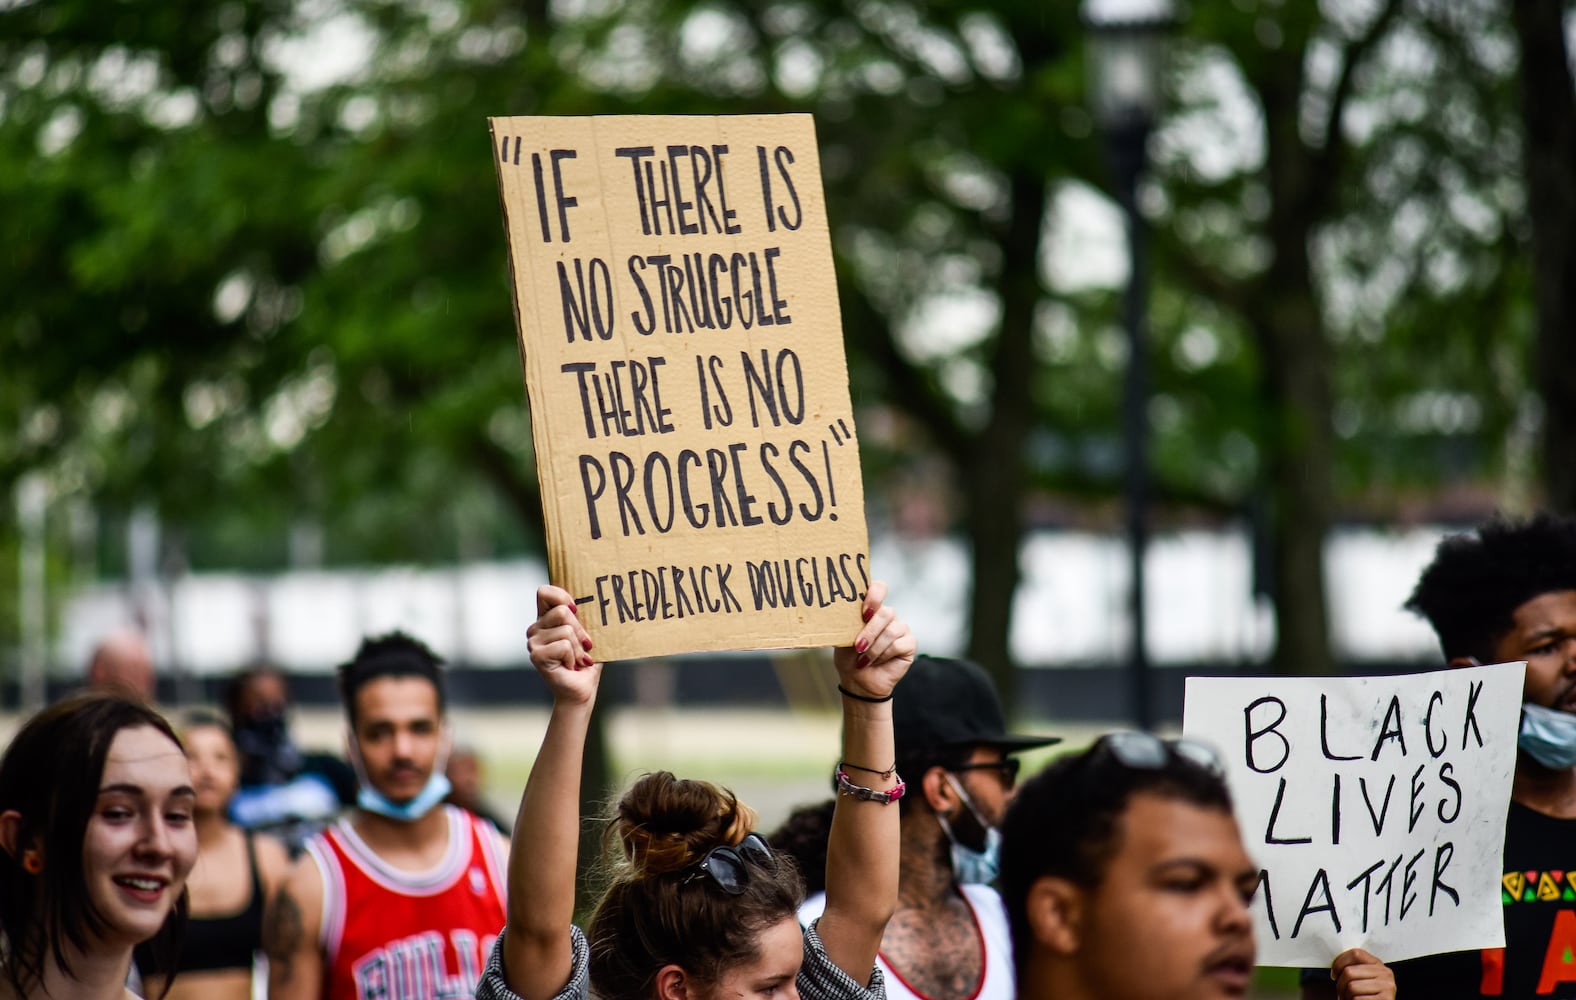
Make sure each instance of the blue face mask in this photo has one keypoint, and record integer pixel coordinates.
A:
(433, 792)
(970, 866)
(1548, 736)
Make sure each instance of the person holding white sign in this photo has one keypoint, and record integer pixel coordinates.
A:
(701, 906)
(1125, 878)
(1502, 593)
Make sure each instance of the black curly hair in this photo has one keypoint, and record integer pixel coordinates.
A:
(393, 654)
(1471, 591)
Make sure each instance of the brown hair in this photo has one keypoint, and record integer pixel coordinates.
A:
(50, 774)
(656, 912)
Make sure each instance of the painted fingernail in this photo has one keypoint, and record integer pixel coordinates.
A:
(586, 644)
(862, 645)
(586, 661)
(863, 661)
(870, 613)
(572, 609)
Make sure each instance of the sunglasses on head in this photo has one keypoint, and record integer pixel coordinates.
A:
(1008, 766)
(1148, 752)
(728, 865)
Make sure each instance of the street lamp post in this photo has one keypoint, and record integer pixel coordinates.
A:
(1127, 59)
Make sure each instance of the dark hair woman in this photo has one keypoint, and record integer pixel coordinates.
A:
(96, 841)
(701, 907)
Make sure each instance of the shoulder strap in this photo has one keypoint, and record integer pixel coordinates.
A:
(251, 859)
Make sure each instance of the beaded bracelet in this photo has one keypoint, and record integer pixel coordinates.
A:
(864, 697)
(886, 798)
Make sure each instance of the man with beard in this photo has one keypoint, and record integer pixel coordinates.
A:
(1125, 878)
(948, 938)
(1502, 593)
(402, 898)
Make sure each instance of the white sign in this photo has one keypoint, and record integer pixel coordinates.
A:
(1374, 805)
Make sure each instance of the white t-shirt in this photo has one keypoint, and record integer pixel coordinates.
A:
(990, 920)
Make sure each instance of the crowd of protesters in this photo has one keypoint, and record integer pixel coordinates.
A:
(217, 859)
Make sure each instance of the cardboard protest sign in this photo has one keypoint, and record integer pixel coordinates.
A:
(683, 355)
(1374, 805)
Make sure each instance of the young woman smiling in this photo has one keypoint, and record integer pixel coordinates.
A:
(96, 841)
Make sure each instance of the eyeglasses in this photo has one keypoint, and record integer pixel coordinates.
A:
(728, 865)
(1008, 766)
(1148, 752)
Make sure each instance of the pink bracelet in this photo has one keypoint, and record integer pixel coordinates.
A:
(886, 798)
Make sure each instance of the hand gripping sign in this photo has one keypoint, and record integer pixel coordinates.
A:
(682, 345)
(1375, 806)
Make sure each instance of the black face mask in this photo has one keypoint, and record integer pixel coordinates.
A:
(268, 757)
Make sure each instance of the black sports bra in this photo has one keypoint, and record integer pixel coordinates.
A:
(214, 943)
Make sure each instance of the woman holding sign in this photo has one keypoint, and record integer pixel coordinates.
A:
(700, 906)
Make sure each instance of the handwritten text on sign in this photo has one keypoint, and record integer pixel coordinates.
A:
(683, 356)
(1374, 805)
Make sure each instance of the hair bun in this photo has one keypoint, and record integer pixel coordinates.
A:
(667, 824)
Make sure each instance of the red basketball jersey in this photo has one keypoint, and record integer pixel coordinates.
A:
(396, 935)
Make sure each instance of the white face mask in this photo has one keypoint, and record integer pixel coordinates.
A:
(970, 866)
(1548, 736)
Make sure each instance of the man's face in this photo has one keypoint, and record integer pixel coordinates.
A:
(398, 732)
(264, 697)
(1543, 632)
(465, 774)
(1170, 917)
(986, 783)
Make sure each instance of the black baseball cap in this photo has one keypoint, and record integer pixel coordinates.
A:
(943, 703)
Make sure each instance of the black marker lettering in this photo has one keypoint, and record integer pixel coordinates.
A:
(1269, 828)
(1254, 735)
(1387, 732)
(1436, 698)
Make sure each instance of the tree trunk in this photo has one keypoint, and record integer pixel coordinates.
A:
(1548, 115)
(1298, 470)
(1288, 323)
(596, 772)
(596, 784)
(994, 473)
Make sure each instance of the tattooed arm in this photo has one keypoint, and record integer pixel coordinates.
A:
(290, 935)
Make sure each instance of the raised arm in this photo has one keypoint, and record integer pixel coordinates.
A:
(862, 855)
(537, 949)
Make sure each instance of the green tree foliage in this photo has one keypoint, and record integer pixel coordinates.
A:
(255, 267)
(1364, 244)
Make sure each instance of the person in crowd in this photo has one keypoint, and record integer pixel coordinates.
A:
(948, 939)
(1502, 593)
(283, 790)
(400, 899)
(236, 872)
(96, 841)
(802, 837)
(467, 778)
(1125, 878)
(121, 663)
(701, 906)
